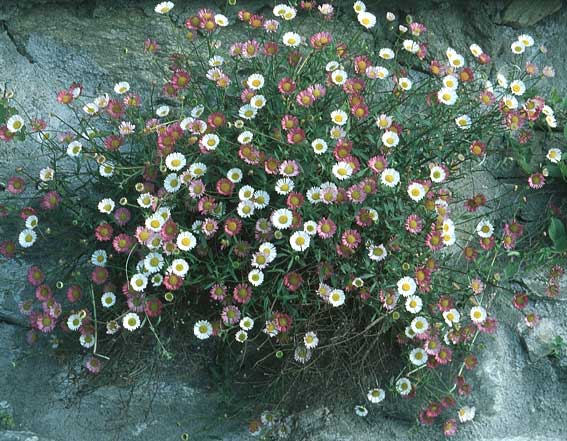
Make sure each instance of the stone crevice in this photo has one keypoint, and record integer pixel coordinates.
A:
(18, 45)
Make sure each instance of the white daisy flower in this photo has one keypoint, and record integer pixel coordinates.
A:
(447, 96)
(366, 19)
(451, 316)
(157, 280)
(466, 414)
(403, 386)
(386, 53)
(390, 16)
(405, 83)
(197, 169)
(246, 193)
(300, 241)
(221, 20)
(258, 101)
(102, 101)
(414, 304)
(406, 286)
(332, 65)
(310, 340)
(108, 299)
(90, 108)
(457, 60)
(485, 228)
(131, 321)
(437, 174)
(121, 87)
(478, 314)
(411, 46)
(255, 81)
(246, 323)
(361, 411)
(551, 121)
(517, 87)
(162, 111)
(186, 241)
(337, 132)
(172, 183)
(27, 238)
(476, 50)
(339, 117)
(256, 277)
(99, 258)
(247, 112)
(339, 77)
(390, 138)
(418, 357)
(282, 218)
(554, 155)
(416, 191)
(203, 329)
(87, 340)
(377, 252)
(450, 82)
(284, 186)
(377, 72)
(419, 325)
(175, 161)
(291, 39)
(164, 7)
(153, 262)
(510, 101)
(241, 336)
(216, 61)
(269, 250)
(106, 206)
(448, 226)
(390, 177)
(245, 137)
(234, 175)
(31, 222)
(518, 47)
(359, 7)
(74, 149)
(336, 297)
(106, 170)
(342, 170)
(463, 122)
(313, 195)
(261, 199)
(74, 322)
(210, 141)
(310, 227)
(179, 267)
(245, 209)
(376, 395)
(46, 174)
(139, 282)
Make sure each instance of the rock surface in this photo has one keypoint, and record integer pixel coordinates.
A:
(44, 46)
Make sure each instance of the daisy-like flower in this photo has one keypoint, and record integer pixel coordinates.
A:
(451, 316)
(406, 286)
(463, 122)
(284, 186)
(386, 53)
(122, 87)
(162, 111)
(46, 174)
(164, 7)
(255, 81)
(153, 262)
(377, 252)
(256, 277)
(108, 299)
(32, 222)
(447, 96)
(241, 336)
(203, 329)
(476, 50)
(342, 170)
(139, 282)
(405, 83)
(366, 19)
(90, 108)
(247, 112)
(390, 177)
(416, 191)
(361, 411)
(258, 101)
(27, 238)
(554, 155)
(74, 149)
(300, 241)
(175, 161)
(106, 170)
(339, 117)
(359, 7)
(245, 209)
(437, 174)
(172, 183)
(302, 354)
(418, 357)
(210, 141)
(336, 297)
(131, 321)
(517, 87)
(450, 82)
(419, 325)
(484, 228)
(246, 323)
(339, 77)
(291, 39)
(282, 218)
(74, 322)
(518, 47)
(414, 304)
(310, 340)
(261, 199)
(234, 175)
(15, 124)
(478, 314)
(526, 40)
(411, 46)
(510, 102)
(390, 138)
(99, 258)
(179, 267)
(376, 395)
(221, 20)
(466, 413)
(403, 386)
(106, 206)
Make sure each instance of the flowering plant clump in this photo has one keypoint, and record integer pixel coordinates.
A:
(297, 192)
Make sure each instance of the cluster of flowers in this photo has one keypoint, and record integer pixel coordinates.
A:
(283, 193)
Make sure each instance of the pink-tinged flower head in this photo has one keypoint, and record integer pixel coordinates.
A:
(207, 205)
(282, 321)
(320, 40)
(296, 136)
(93, 365)
(289, 122)
(250, 49)
(35, 276)
(104, 232)
(43, 292)
(218, 292)
(484, 58)
(26, 307)
(74, 293)
(113, 142)
(286, 86)
(16, 185)
(359, 111)
(173, 282)
(478, 148)
(351, 239)
(5, 134)
(242, 293)
(132, 100)
(151, 46)
(50, 200)
(115, 109)
(417, 29)
(536, 181)
(230, 315)
(293, 281)
(122, 243)
(305, 98)
(8, 248)
(414, 224)
(295, 200)
(531, 319)
(224, 187)
(434, 409)
(65, 97)
(487, 243)
(488, 326)
(45, 323)
(425, 420)
(444, 356)
(289, 168)
(122, 215)
(180, 79)
(317, 90)
(209, 227)
(232, 226)
(487, 98)
(450, 427)
(326, 228)
(99, 275)
(520, 300)
(196, 188)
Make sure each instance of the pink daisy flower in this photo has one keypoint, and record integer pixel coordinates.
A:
(326, 228)
(122, 243)
(230, 315)
(450, 427)
(414, 224)
(536, 181)
(16, 185)
(136, 302)
(242, 293)
(293, 281)
(99, 275)
(305, 98)
(232, 226)
(351, 239)
(286, 86)
(74, 293)
(218, 292)
(282, 321)
(289, 168)
(209, 227)
(173, 282)
(93, 365)
(104, 232)
(35, 276)
(43, 293)
(122, 216)
(45, 323)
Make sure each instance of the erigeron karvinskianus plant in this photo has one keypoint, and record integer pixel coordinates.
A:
(296, 191)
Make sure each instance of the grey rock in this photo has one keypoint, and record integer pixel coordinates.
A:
(523, 13)
(10, 435)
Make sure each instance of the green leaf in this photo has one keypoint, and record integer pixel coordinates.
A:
(557, 234)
